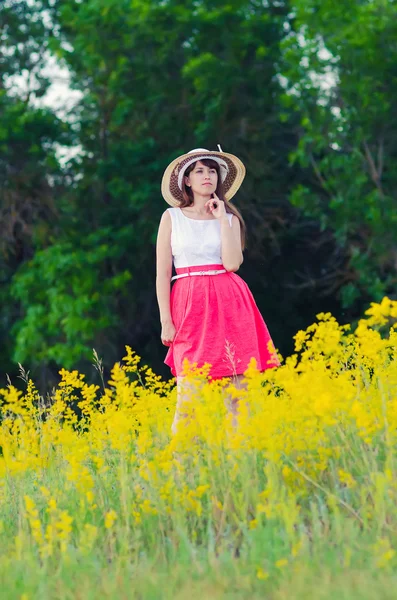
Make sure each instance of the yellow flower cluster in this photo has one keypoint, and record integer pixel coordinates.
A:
(98, 471)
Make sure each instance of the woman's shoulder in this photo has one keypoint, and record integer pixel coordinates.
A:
(166, 217)
(169, 215)
(169, 211)
(172, 210)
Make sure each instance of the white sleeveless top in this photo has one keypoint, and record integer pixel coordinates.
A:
(195, 242)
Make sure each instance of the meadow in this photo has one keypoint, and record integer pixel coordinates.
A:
(296, 501)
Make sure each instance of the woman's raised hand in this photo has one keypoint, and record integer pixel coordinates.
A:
(216, 207)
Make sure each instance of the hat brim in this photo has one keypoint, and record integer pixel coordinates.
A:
(170, 190)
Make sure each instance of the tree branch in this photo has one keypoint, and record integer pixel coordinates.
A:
(374, 172)
(317, 171)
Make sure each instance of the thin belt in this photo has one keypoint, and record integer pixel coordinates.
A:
(212, 272)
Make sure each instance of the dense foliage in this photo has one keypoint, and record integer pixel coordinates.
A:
(301, 91)
(342, 83)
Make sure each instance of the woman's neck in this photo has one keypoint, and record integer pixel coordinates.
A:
(198, 206)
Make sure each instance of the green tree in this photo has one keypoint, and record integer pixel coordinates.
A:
(339, 68)
(158, 78)
(30, 177)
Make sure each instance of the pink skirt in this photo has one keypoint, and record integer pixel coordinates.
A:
(218, 322)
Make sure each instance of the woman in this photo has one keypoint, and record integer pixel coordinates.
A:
(210, 315)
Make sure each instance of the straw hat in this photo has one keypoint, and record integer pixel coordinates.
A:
(231, 168)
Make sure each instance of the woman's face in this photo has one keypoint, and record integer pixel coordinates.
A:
(202, 180)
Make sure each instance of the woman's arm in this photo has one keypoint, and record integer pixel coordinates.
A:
(164, 268)
(232, 255)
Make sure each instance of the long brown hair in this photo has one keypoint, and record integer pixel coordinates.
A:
(188, 199)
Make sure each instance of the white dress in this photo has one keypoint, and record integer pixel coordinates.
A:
(195, 242)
